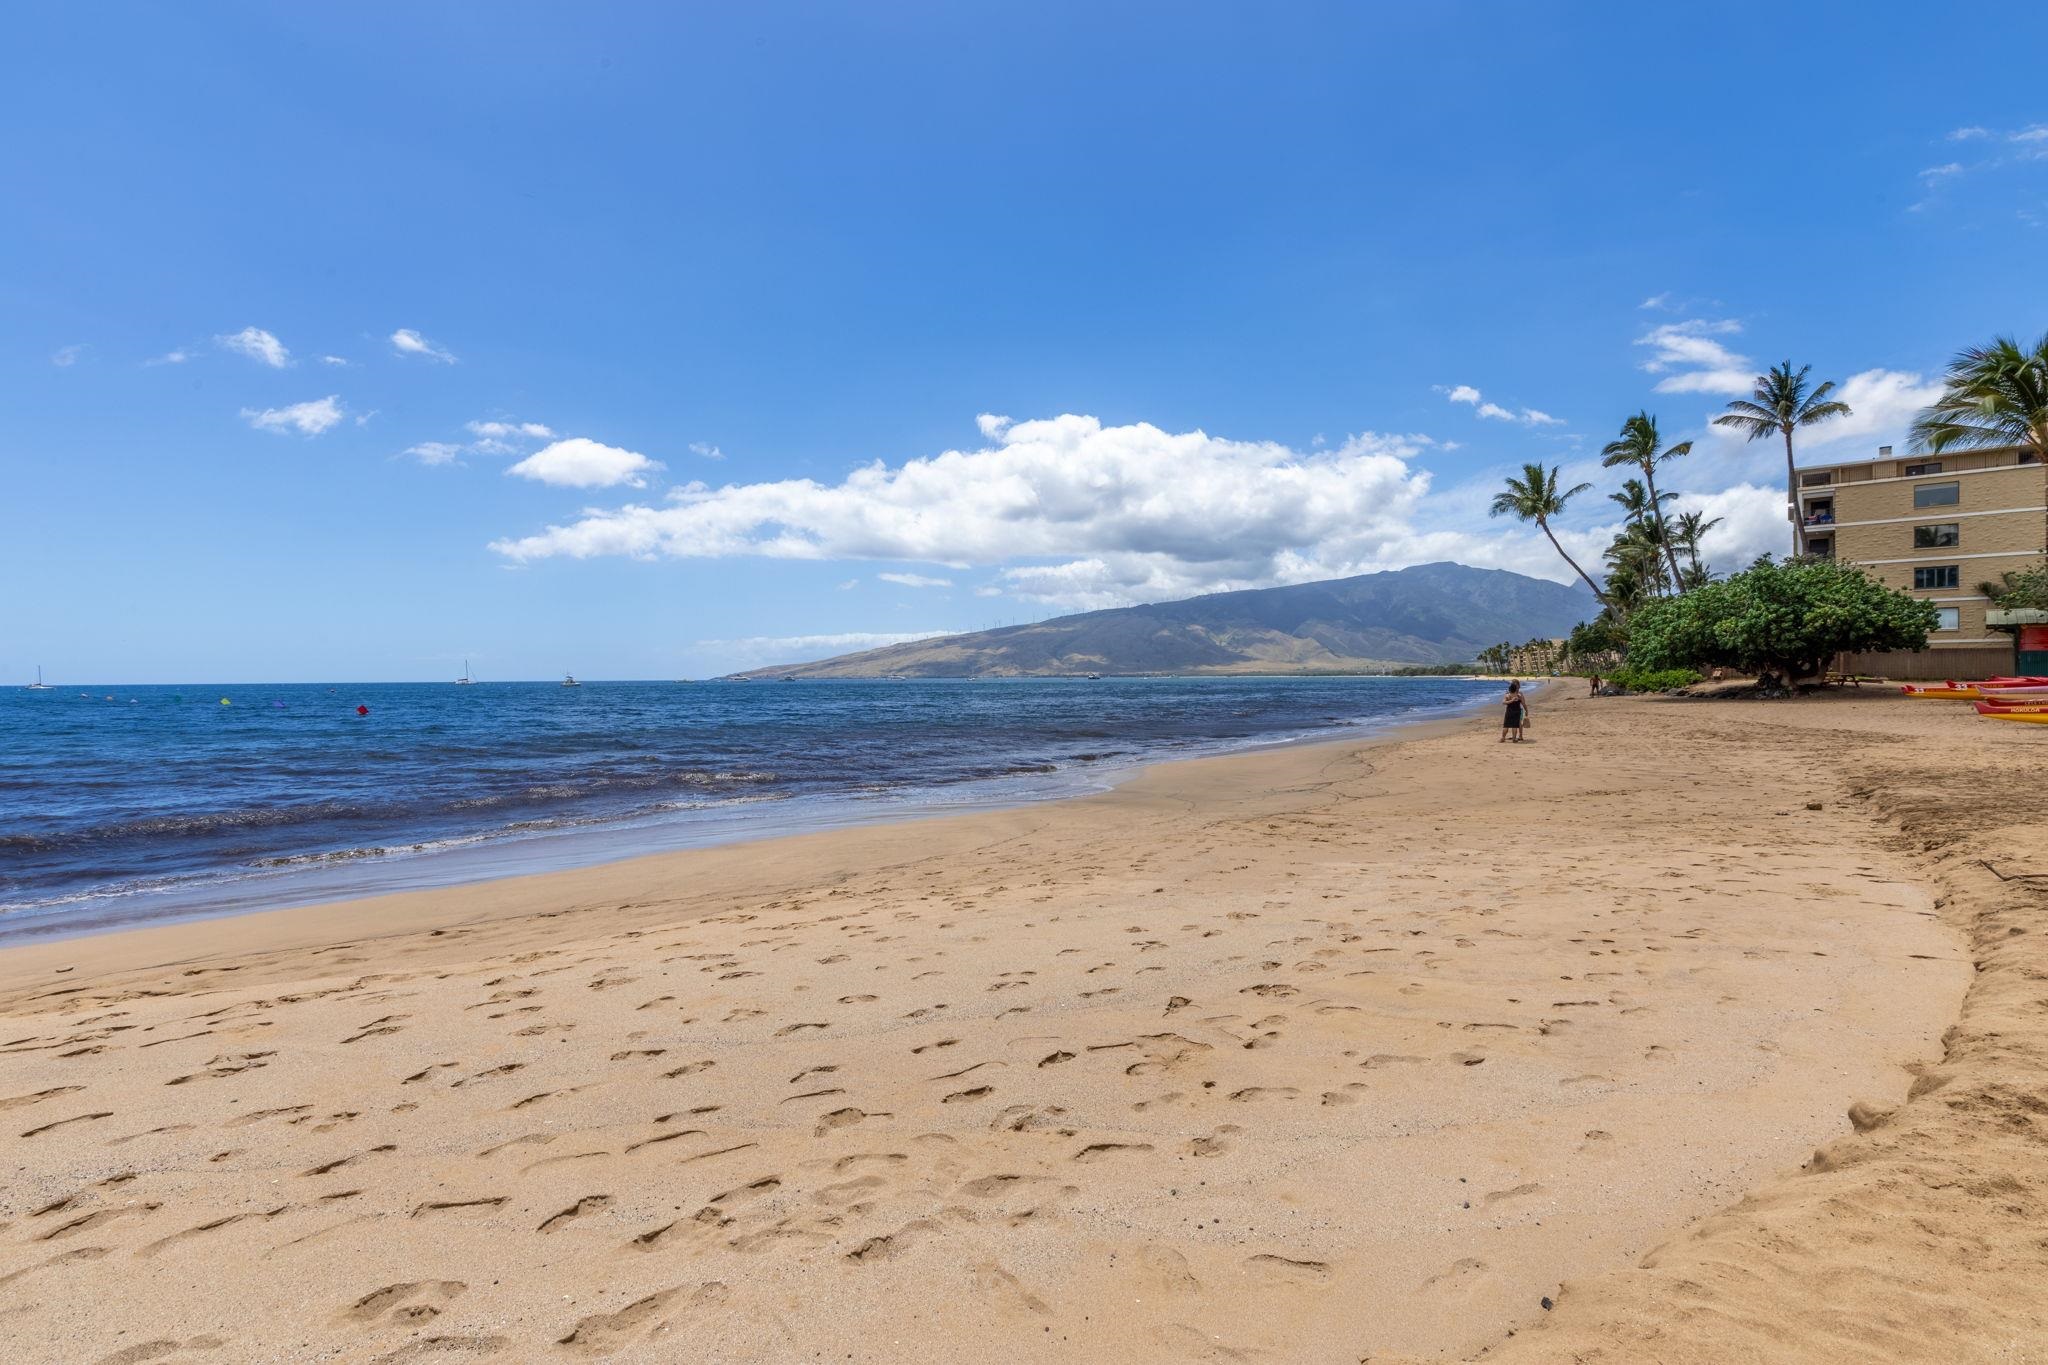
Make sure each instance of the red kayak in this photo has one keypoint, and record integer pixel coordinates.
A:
(1988, 707)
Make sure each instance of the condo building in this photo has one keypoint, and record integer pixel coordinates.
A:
(1936, 526)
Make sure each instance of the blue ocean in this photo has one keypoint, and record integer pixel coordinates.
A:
(125, 804)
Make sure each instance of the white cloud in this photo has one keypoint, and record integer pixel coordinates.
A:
(1070, 512)
(992, 425)
(708, 451)
(915, 580)
(1656, 302)
(177, 357)
(406, 341)
(502, 430)
(849, 584)
(1970, 134)
(1494, 412)
(258, 345)
(1701, 364)
(436, 452)
(2033, 133)
(307, 419)
(333, 360)
(64, 357)
(580, 462)
(988, 592)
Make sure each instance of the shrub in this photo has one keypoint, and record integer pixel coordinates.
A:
(1780, 621)
(1652, 680)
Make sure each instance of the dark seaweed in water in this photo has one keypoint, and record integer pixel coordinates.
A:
(164, 789)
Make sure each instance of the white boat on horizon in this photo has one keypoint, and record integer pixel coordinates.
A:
(39, 685)
(465, 680)
(569, 680)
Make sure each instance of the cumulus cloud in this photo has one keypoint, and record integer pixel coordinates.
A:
(1069, 511)
(707, 450)
(405, 341)
(64, 357)
(258, 345)
(1882, 406)
(1656, 301)
(333, 360)
(580, 462)
(1461, 393)
(307, 419)
(1970, 134)
(992, 425)
(915, 580)
(177, 357)
(1690, 360)
(1752, 523)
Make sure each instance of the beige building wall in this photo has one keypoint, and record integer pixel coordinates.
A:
(1999, 516)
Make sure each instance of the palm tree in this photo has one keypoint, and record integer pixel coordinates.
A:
(1782, 402)
(1646, 527)
(1994, 395)
(1535, 497)
(1691, 526)
(1637, 445)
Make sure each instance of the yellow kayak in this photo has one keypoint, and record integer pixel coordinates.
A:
(1945, 693)
(2024, 717)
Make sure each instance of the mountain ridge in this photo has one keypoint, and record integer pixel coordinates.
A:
(1436, 613)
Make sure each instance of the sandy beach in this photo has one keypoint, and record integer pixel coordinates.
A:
(1685, 1032)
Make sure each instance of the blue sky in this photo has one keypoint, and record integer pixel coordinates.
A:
(652, 329)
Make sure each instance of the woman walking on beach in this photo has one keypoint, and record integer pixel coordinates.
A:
(1517, 712)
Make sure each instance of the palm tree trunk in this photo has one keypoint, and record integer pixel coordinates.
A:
(1663, 530)
(1792, 493)
(1545, 524)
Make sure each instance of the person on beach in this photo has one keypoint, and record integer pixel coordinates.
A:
(1593, 690)
(1517, 713)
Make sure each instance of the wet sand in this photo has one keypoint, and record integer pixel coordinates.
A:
(1321, 1054)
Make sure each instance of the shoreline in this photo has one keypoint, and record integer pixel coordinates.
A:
(1376, 910)
(487, 856)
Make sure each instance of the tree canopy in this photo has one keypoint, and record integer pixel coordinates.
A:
(1778, 620)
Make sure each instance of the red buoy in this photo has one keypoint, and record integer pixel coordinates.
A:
(362, 710)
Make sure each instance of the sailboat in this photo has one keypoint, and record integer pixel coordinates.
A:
(39, 685)
(569, 680)
(465, 680)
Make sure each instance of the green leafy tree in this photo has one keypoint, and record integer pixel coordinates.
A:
(1782, 403)
(1535, 497)
(1781, 621)
(1992, 396)
(1638, 445)
(2019, 589)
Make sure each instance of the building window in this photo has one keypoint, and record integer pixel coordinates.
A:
(1912, 471)
(1938, 576)
(1937, 495)
(1946, 536)
(1948, 618)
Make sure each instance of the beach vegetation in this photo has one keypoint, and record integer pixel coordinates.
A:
(1780, 403)
(1780, 621)
(2019, 590)
(1652, 680)
(1991, 396)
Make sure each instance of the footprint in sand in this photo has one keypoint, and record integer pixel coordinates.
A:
(407, 1305)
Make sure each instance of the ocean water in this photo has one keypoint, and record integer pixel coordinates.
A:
(124, 804)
